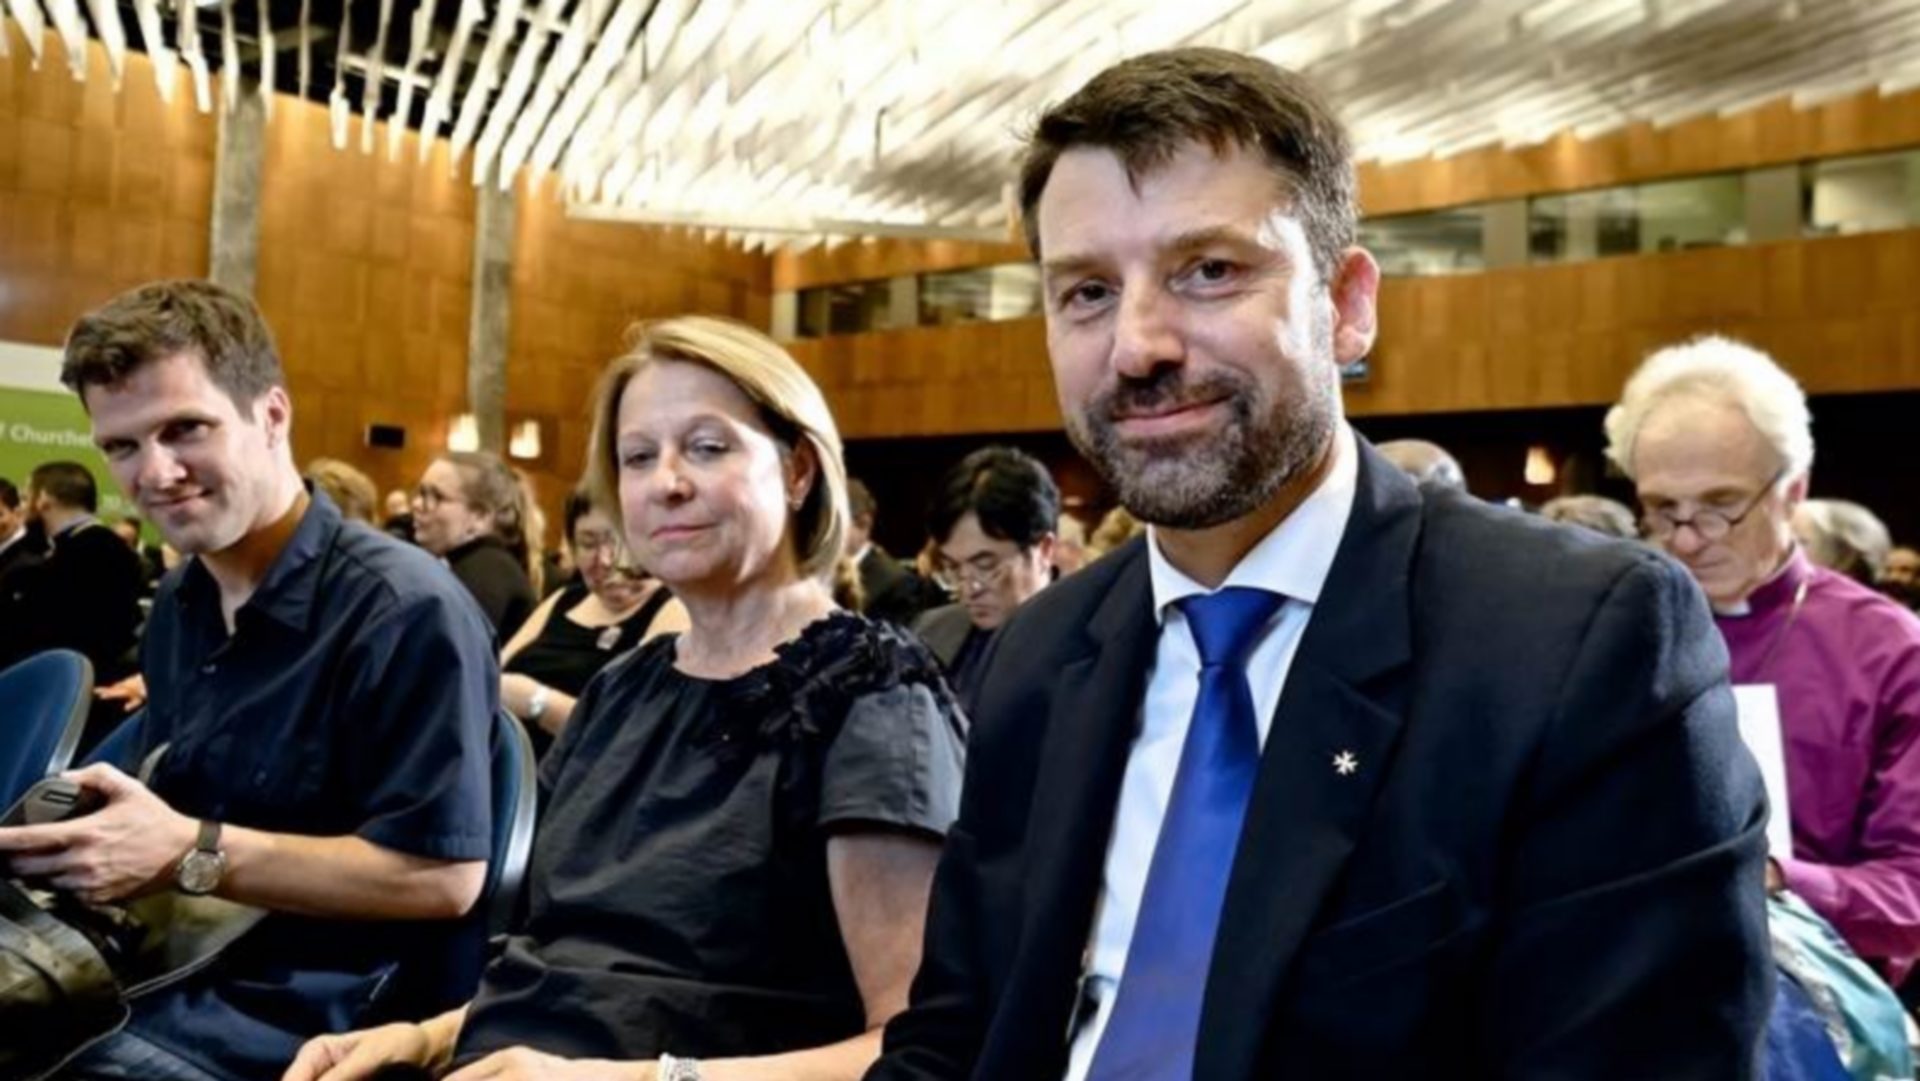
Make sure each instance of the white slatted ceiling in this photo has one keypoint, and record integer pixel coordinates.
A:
(769, 113)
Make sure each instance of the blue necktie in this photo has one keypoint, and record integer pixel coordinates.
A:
(1155, 1023)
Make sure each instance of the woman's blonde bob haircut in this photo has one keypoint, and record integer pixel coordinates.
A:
(791, 406)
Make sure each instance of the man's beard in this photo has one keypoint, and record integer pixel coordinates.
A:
(1202, 480)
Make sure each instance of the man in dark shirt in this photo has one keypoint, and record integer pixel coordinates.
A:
(85, 595)
(324, 690)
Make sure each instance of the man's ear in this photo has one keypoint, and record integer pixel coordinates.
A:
(1795, 492)
(1355, 292)
(273, 410)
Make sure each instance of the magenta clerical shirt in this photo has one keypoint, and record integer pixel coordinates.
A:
(1847, 672)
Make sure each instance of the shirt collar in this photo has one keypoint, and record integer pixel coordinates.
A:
(19, 534)
(1777, 590)
(1291, 560)
(286, 594)
(71, 528)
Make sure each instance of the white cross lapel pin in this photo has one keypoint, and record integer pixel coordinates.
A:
(1345, 764)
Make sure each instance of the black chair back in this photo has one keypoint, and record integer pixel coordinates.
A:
(43, 712)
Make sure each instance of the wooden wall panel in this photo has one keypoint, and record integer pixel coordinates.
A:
(99, 191)
(577, 287)
(969, 377)
(1772, 134)
(874, 258)
(1837, 311)
(365, 276)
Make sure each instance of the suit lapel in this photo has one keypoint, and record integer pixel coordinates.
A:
(1093, 716)
(1341, 706)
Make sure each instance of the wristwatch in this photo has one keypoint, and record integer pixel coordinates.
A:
(200, 870)
(537, 702)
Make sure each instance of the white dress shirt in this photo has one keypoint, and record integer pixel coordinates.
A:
(1293, 561)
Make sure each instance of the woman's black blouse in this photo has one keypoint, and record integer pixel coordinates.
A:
(679, 898)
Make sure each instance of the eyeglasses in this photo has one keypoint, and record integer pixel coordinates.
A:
(593, 543)
(980, 572)
(1712, 525)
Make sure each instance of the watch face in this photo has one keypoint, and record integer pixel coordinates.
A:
(200, 872)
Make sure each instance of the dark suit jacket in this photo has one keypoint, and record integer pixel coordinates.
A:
(30, 549)
(1549, 863)
(944, 630)
(894, 593)
(85, 596)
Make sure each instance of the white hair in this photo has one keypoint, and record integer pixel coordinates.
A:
(1715, 369)
(1845, 536)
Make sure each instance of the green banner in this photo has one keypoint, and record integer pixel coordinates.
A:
(41, 422)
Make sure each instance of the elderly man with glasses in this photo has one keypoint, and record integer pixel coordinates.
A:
(1719, 444)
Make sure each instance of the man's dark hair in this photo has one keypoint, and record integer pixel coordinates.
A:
(1011, 493)
(68, 484)
(9, 495)
(1148, 108)
(219, 326)
(860, 502)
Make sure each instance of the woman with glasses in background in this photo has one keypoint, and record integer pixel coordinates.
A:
(610, 609)
(472, 510)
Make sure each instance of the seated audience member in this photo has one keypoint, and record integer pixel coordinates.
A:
(326, 694)
(1069, 545)
(19, 545)
(739, 823)
(471, 510)
(1718, 442)
(351, 490)
(85, 595)
(1901, 578)
(577, 631)
(892, 592)
(993, 522)
(1843, 536)
(1595, 512)
(1428, 464)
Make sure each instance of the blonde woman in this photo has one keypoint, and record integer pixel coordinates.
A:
(740, 823)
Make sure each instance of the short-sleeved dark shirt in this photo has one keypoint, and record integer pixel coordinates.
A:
(679, 892)
(354, 698)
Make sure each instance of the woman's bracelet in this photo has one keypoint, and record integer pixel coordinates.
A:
(678, 1069)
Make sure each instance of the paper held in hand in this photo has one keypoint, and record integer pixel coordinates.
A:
(1759, 709)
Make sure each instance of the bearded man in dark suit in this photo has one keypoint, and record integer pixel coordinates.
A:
(1328, 775)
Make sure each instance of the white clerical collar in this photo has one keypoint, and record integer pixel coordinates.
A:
(1293, 559)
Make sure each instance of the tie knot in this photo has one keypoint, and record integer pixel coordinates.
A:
(1224, 623)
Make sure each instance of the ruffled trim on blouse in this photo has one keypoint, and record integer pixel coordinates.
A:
(805, 692)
